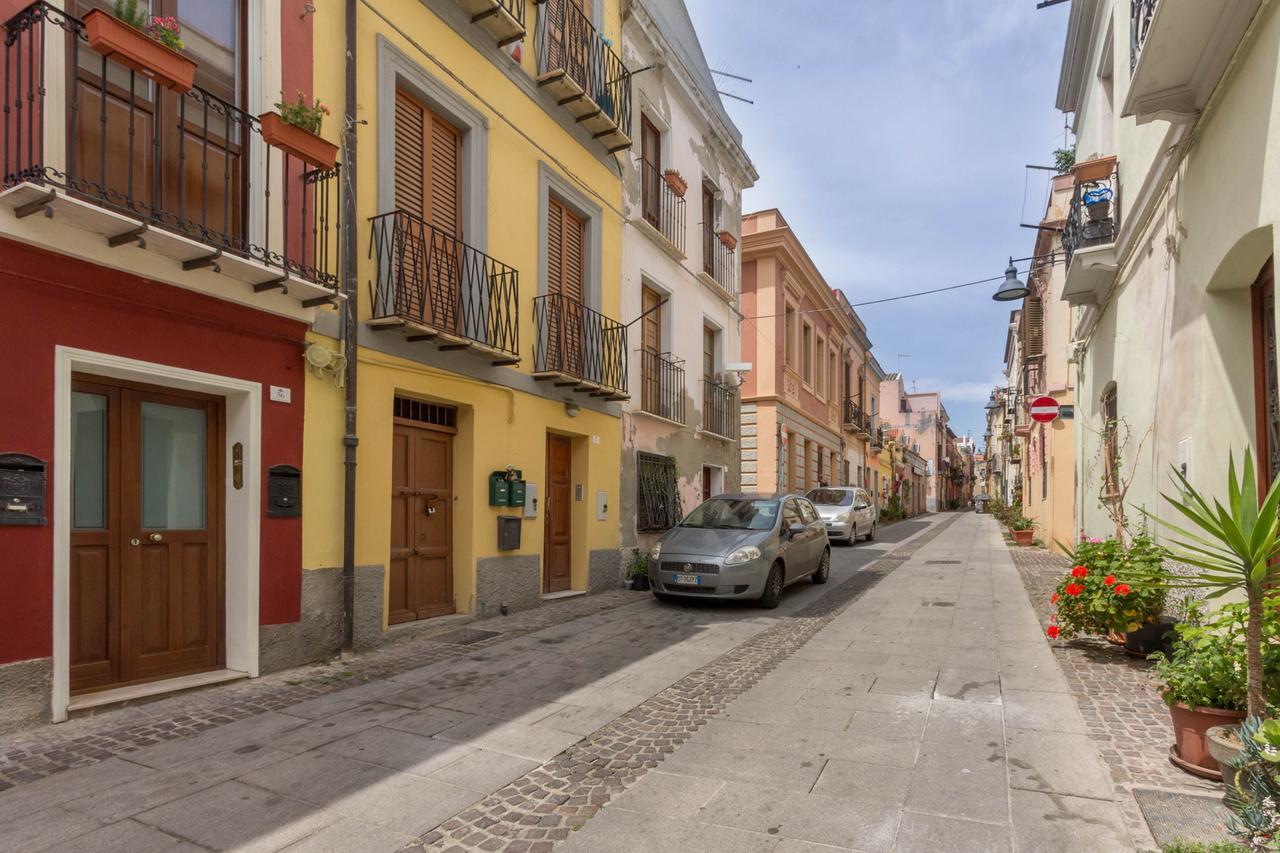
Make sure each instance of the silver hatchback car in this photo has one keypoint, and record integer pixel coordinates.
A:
(847, 512)
(741, 546)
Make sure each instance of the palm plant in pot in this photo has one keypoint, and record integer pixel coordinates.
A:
(1233, 549)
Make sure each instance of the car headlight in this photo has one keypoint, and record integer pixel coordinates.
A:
(744, 554)
(842, 517)
(656, 551)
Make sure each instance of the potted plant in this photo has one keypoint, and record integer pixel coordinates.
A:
(639, 572)
(1255, 789)
(1204, 680)
(1103, 593)
(676, 181)
(729, 241)
(149, 45)
(1022, 529)
(295, 129)
(1097, 202)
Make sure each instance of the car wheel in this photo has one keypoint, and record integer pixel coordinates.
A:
(824, 568)
(772, 594)
(871, 534)
(853, 534)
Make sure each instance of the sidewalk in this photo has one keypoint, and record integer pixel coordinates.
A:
(427, 733)
(929, 715)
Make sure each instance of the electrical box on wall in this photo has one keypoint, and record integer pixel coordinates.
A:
(530, 500)
(508, 532)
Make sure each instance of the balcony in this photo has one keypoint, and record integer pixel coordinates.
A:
(583, 73)
(719, 409)
(431, 286)
(718, 260)
(878, 438)
(855, 420)
(1178, 51)
(660, 207)
(1089, 236)
(662, 385)
(503, 19)
(579, 348)
(171, 198)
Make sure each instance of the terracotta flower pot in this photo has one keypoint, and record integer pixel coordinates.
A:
(1225, 747)
(729, 241)
(1190, 749)
(1095, 170)
(298, 142)
(1023, 537)
(134, 49)
(676, 181)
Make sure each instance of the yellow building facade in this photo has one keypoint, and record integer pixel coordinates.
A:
(490, 355)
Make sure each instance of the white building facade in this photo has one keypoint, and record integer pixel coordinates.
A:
(683, 183)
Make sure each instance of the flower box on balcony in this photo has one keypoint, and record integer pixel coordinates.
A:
(297, 142)
(676, 181)
(134, 49)
(729, 241)
(1095, 170)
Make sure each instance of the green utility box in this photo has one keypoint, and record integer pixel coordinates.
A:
(515, 495)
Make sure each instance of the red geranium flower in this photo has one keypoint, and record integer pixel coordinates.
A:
(1079, 572)
(1109, 580)
(1054, 600)
(1053, 632)
(1074, 589)
(1122, 589)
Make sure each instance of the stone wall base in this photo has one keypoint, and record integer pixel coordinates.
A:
(317, 635)
(604, 570)
(25, 691)
(515, 581)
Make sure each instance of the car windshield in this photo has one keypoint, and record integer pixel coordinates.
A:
(733, 514)
(830, 497)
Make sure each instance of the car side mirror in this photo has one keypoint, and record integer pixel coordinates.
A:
(861, 505)
(795, 528)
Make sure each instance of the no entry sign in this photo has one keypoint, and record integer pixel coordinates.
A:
(1044, 410)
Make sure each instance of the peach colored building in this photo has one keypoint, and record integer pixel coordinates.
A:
(798, 344)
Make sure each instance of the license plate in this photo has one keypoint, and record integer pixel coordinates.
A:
(688, 580)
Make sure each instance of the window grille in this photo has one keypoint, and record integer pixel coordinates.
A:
(659, 499)
(426, 413)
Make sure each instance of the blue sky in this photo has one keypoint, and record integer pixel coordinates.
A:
(893, 134)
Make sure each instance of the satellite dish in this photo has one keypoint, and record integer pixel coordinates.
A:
(318, 357)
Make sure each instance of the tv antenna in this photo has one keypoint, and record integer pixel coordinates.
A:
(735, 77)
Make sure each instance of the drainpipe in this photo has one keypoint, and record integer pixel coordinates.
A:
(350, 319)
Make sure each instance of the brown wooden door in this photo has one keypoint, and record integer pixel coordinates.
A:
(566, 316)
(557, 550)
(652, 398)
(1266, 385)
(166, 152)
(421, 583)
(709, 230)
(147, 575)
(650, 171)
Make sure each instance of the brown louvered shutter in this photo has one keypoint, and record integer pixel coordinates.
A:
(1033, 320)
(564, 251)
(555, 246)
(446, 177)
(573, 229)
(410, 160)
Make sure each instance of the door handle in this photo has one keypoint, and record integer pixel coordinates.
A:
(156, 537)
(135, 542)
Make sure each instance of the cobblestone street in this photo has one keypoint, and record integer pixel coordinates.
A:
(911, 700)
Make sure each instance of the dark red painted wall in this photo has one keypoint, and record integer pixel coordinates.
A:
(48, 299)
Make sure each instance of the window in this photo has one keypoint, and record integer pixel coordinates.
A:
(789, 321)
(820, 359)
(1110, 441)
(658, 505)
(806, 354)
(650, 171)
(428, 166)
(833, 359)
(652, 396)
(1033, 327)
(566, 234)
(791, 513)
(807, 512)
(709, 238)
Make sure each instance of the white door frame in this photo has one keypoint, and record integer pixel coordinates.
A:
(242, 506)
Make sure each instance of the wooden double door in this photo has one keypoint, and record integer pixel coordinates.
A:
(147, 572)
(557, 513)
(421, 583)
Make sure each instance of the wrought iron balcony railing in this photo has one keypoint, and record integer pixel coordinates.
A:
(155, 163)
(584, 73)
(660, 205)
(855, 419)
(1094, 218)
(434, 286)
(662, 385)
(717, 258)
(1140, 14)
(579, 347)
(719, 408)
(504, 19)
(878, 436)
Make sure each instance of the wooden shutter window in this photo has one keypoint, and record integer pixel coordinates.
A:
(1033, 326)
(565, 235)
(428, 165)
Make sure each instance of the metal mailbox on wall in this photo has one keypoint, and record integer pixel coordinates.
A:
(507, 488)
(284, 492)
(22, 489)
(508, 532)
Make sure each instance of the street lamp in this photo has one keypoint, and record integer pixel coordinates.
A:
(1011, 289)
